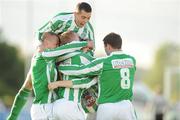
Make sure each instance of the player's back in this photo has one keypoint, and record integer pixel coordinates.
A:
(116, 79)
(74, 94)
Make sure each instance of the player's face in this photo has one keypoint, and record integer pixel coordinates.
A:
(82, 17)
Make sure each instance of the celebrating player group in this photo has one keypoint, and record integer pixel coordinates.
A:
(68, 82)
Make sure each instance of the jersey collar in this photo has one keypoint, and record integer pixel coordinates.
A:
(117, 52)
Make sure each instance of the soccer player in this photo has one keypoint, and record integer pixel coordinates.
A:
(77, 22)
(41, 73)
(116, 75)
(68, 107)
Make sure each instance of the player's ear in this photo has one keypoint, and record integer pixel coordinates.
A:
(75, 13)
(108, 46)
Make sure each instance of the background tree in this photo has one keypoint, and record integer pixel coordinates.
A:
(168, 55)
(11, 68)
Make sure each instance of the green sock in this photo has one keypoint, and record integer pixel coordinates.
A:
(19, 102)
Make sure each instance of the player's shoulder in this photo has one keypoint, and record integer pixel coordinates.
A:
(122, 55)
(132, 57)
(100, 59)
(128, 56)
(64, 16)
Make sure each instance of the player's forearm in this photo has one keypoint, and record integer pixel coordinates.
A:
(77, 83)
(74, 83)
(65, 83)
(56, 84)
(84, 82)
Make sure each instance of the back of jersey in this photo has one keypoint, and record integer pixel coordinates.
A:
(116, 79)
(74, 94)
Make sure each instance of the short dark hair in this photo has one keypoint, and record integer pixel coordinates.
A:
(114, 40)
(83, 6)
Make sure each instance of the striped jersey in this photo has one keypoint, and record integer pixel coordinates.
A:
(44, 71)
(79, 84)
(115, 76)
(63, 22)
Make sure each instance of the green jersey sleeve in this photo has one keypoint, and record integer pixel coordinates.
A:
(51, 26)
(91, 69)
(84, 82)
(61, 50)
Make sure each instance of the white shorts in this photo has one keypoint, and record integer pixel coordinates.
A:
(122, 110)
(91, 116)
(67, 110)
(42, 112)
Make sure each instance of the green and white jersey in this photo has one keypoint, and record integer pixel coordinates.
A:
(44, 71)
(64, 50)
(74, 94)
(63, 22)
(115, 73)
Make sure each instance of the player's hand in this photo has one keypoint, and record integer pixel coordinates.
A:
(53, 85)
(90, 44)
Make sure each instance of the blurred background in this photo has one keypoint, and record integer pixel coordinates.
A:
(150, 30)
